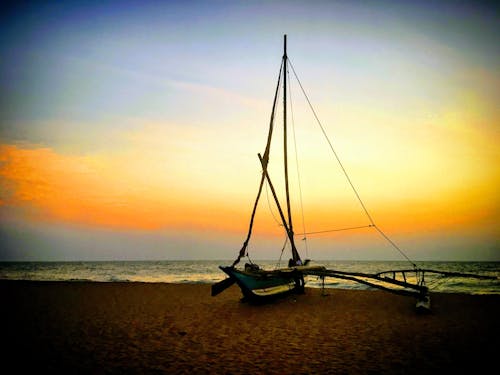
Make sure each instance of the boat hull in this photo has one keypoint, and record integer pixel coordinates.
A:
(260, 285)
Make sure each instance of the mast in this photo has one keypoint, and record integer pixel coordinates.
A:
(295, 254)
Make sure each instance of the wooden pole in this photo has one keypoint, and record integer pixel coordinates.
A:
(295, 253)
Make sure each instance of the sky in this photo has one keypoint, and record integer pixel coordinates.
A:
(130, 130)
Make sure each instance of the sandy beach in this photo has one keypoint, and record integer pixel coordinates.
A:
(101, 328)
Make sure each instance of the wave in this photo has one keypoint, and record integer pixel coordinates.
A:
(207, 272)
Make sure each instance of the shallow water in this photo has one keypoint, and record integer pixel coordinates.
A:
(207, 271)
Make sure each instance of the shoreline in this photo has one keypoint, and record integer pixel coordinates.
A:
(117, 327)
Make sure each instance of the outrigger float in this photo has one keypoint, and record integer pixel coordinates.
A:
(259, 285)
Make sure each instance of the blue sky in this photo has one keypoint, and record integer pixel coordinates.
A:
(165, 104)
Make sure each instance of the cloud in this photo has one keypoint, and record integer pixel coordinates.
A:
(117, 191)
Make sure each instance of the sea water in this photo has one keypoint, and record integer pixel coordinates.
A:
(207, 272)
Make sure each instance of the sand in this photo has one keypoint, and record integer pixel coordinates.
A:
(101, 328)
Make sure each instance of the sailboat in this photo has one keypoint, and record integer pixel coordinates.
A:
(259, 285)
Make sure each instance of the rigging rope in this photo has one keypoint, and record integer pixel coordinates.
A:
(395, 246)
(297, 164)
(282, 250)
(337, 230)
(331, 147)
(270, 207)
(344, 170)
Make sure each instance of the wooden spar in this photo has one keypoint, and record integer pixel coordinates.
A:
(355, 276)
(444, 273)
(419, 290)
(295, 253)
(417, 294)
(222, 285)
(264, 166)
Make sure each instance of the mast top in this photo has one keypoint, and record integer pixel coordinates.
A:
(284, 45)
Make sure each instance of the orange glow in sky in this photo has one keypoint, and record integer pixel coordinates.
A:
(93, 191)
(97, 191)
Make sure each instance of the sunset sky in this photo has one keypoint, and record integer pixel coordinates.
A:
(130, 130)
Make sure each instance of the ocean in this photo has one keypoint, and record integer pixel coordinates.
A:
(207, 272)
